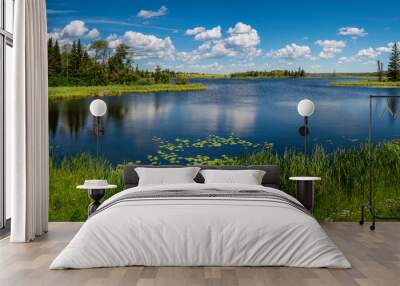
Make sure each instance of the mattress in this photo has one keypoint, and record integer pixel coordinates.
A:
(201, 225)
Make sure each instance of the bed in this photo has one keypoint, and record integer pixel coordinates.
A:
(198, 224)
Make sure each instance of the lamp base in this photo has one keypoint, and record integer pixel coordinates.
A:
(96, 195)
(305, 193)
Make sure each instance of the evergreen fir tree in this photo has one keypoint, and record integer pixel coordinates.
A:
(84, 69)
(49, 44)
(57, 59)
(79, 51)
(66, 62)
(394, 64)
(74, 61)
(50, 57)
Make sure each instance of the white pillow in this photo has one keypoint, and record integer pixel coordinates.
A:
(248, 177)
(166, 176)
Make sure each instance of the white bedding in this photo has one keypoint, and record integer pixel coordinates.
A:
(200, 231)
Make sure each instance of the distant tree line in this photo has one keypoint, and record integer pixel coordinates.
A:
(71, 65)
(271, 74)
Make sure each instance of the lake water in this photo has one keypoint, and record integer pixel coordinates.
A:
(257, 110)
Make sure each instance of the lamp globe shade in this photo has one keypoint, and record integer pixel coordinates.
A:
(98, 107)
(305, 107)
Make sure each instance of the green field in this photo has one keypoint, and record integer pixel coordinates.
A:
(69, 92)
(339, 195)
(370, 76)
(367, 83)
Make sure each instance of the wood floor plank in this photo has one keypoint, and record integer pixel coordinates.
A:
(375, 257)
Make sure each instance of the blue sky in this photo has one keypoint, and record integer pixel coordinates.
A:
(230, 36)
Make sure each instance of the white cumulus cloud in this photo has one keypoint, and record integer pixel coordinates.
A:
(343, 60)
(94, 33)
(386, 49)
(146, 14)
(330, 48)
(365, 56)
(242, 35)
(241, 41)
(194, 31)
(191, 56)
(207, 50)
(353, 32)
(114, 41)
(74, 30)
(368, 53)
(240, 28)
(290, 52)
(144, 46)
(220, 50)
(208, 35)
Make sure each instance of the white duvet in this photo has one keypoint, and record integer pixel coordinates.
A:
(203, 232)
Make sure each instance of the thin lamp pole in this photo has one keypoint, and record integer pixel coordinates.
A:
(97, 137)
(371, 164)
(370, 150)
(306, 143)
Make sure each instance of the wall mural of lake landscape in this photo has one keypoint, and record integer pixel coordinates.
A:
(186, 89)
(258, 111)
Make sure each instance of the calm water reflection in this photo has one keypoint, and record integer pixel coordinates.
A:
(255, 110)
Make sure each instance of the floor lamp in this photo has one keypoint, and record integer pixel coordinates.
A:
(98, 108)
(305, 108)
(305, 183)
(96, 188)
(370, 204)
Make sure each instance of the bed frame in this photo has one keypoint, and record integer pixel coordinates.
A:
(270, 179)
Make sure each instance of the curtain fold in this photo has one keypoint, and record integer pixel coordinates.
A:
(27, 145)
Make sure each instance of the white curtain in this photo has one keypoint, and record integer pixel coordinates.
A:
(27, 124)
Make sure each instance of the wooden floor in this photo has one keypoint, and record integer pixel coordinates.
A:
(375, 257)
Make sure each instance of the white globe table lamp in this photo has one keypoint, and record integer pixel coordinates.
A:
(98, 108)
(305, 108)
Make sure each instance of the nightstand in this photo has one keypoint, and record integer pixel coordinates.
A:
(305, 190)
(96, 192)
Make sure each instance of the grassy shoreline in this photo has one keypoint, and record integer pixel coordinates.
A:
(291, 77)
(339, 195)
(203, 76)
(364, 83)
(71, 92)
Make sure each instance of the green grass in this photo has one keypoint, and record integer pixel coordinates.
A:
(66, 203)
(344, 185)
(369, 76)
(339, 195)
(367, 83)
(69, 92)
